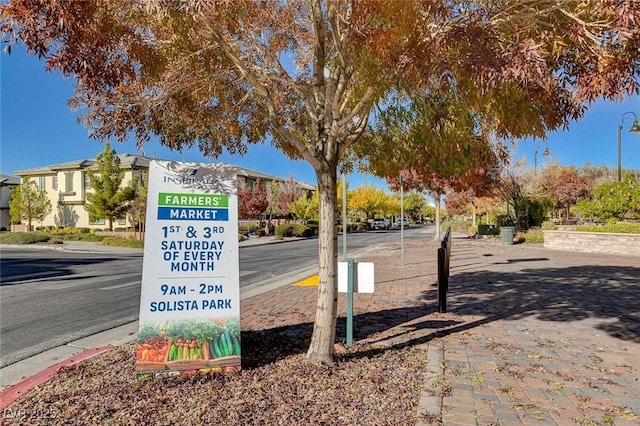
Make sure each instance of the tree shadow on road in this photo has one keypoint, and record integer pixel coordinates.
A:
(16, 271)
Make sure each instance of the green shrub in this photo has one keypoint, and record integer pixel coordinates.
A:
(68, 237)
(56, 239)
(315, 228)
(547, 225)
(39, 237)
(91, 237)
(245, 229)
(284, 230)
(615, 228)
(261, 232)
(293, 230)
(122, 242)
(532, 236)
(472, 230)
(24, 237)
(301, 231)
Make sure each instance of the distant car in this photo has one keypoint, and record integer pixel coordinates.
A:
(381, 224)
(402, 222)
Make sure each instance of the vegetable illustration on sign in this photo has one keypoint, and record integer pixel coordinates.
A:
(190, 298)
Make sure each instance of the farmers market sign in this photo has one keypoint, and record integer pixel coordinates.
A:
(190, 298)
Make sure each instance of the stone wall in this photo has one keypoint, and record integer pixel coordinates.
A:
(593, 242)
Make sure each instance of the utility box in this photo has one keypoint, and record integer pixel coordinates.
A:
(487, 229)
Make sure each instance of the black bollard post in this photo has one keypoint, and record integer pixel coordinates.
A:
(442, 281)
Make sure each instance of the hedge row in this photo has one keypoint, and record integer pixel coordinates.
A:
(293, 230)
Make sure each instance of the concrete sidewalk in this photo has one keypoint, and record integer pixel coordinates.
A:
(532, 336)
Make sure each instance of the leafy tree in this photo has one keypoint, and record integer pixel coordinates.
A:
(305, 207)
(274, 199)
(565, 187)
(252, 200)
(432, 143)
(511, 190)
(613, 201)
(489, 206)
(290, 193)
(109, 200)
(428, 211)
(460, 203)
(28, 203)
(66, 217)
(367, 200)
(414, 203)
(424, 181)
(340, 196)
(439, 147)
(312, 77)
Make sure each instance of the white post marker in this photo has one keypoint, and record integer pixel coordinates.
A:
(190, 296)
(354, 277)
(363, 279)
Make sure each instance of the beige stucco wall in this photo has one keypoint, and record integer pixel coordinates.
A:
(70, 204)
(593, 242)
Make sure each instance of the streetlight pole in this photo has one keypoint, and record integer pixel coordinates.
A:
(635, 128)
(546, 153)
(401, 220)
(345, 225)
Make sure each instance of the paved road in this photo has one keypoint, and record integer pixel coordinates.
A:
(52, 297)
(262, 262)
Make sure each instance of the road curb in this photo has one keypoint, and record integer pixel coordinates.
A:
(8, 396)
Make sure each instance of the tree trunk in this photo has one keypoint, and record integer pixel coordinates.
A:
(473, 209)
(324, 329)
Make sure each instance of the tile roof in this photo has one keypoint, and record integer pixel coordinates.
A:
(138, 162)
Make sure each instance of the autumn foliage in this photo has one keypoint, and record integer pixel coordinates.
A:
(429, 86)
(252, 199)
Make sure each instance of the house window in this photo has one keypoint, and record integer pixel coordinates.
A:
(97, 222)
(68, 182)
(41, 182)
(54, 183)
(122, 221)
(87, 181)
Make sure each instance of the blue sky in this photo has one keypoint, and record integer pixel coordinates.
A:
(37, 129)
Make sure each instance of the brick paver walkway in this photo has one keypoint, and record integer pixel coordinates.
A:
(532, 336)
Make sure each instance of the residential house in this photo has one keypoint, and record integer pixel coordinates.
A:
(66, 185)
(7, 183)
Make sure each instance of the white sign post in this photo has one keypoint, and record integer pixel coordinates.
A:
(354, 277)
(190, 297)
